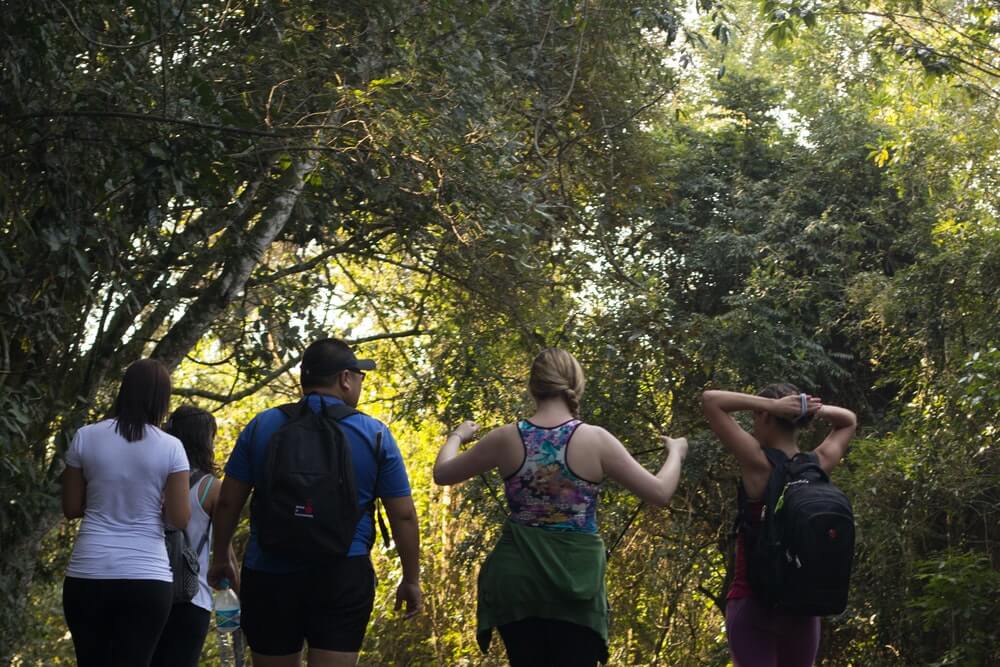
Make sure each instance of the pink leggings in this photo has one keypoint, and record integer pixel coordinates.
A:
(759, 637)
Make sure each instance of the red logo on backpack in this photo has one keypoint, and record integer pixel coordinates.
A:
(305, 511)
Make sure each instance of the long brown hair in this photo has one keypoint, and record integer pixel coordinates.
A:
(196, 429)
(143, 399)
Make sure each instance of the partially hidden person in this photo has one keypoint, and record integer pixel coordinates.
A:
(184, 635)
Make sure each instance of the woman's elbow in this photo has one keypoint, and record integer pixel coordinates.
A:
(179, 518)
(660, 498)
(847, 420)
(441, 477)
(72, 505)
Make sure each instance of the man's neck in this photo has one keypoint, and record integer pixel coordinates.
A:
(329, 393)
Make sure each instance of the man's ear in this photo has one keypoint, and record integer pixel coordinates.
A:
(343, 382)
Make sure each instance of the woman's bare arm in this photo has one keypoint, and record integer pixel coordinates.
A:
(834, 446)
(74, 492)
(453, 467)
(656, 489)
(176, 505)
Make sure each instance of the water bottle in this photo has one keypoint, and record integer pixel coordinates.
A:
(227, 625)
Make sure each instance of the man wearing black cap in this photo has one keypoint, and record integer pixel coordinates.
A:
(285, 600)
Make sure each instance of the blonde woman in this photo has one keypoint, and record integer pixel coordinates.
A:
(542, 586)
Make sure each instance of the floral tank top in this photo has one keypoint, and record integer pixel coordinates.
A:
(544, 492)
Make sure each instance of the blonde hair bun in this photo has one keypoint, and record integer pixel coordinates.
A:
(556, 372)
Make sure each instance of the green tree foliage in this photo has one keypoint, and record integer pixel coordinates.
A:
(456, 185)
(943, 38)
(176, 171)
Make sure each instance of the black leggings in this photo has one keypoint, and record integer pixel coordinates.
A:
(545, 641)
(115, 622)
(182, 639)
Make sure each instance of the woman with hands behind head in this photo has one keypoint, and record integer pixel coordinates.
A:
(542, 586)
(759, 636)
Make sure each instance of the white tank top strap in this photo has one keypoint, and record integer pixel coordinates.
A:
(205, 485)
(199, 527)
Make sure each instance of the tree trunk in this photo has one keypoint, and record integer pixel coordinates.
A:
(230, 284)
(17, 571)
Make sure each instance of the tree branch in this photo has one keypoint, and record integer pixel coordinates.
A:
(150, 118)
(232, 281)
(124, 47)
(313, 262)
(224, 399)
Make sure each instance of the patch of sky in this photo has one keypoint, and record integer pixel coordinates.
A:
(791, 123)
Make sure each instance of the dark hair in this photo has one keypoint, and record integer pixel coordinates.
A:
(323, 355)
(143, 398)
(780, 390)
(196, 429)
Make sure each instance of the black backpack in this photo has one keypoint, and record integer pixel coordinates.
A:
(799, 557)
(307, 506)
(183, 559)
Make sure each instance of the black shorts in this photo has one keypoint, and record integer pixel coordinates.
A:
(547, 641)
(328, 607)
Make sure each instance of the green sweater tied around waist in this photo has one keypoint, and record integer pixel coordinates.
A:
(533, 572)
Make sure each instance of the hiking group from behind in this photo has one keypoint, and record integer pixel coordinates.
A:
(158, 526)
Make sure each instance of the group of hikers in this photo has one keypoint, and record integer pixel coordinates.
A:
(319, 469)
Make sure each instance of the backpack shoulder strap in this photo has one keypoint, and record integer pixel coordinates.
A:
(779, 461)
(376, 510)
(808, 462)
(775, 485)
(290, 410)
(340, 411)
(377, 451)
(204, 540)
(775, 457)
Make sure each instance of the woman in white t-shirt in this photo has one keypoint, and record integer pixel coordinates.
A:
(182, 639)
(123, 476)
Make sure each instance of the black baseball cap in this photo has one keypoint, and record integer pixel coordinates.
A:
(330, 356)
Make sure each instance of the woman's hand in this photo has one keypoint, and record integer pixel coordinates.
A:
(453, 466)
(790, 407)
(677, 446)
(225, 570)
(466, 431)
